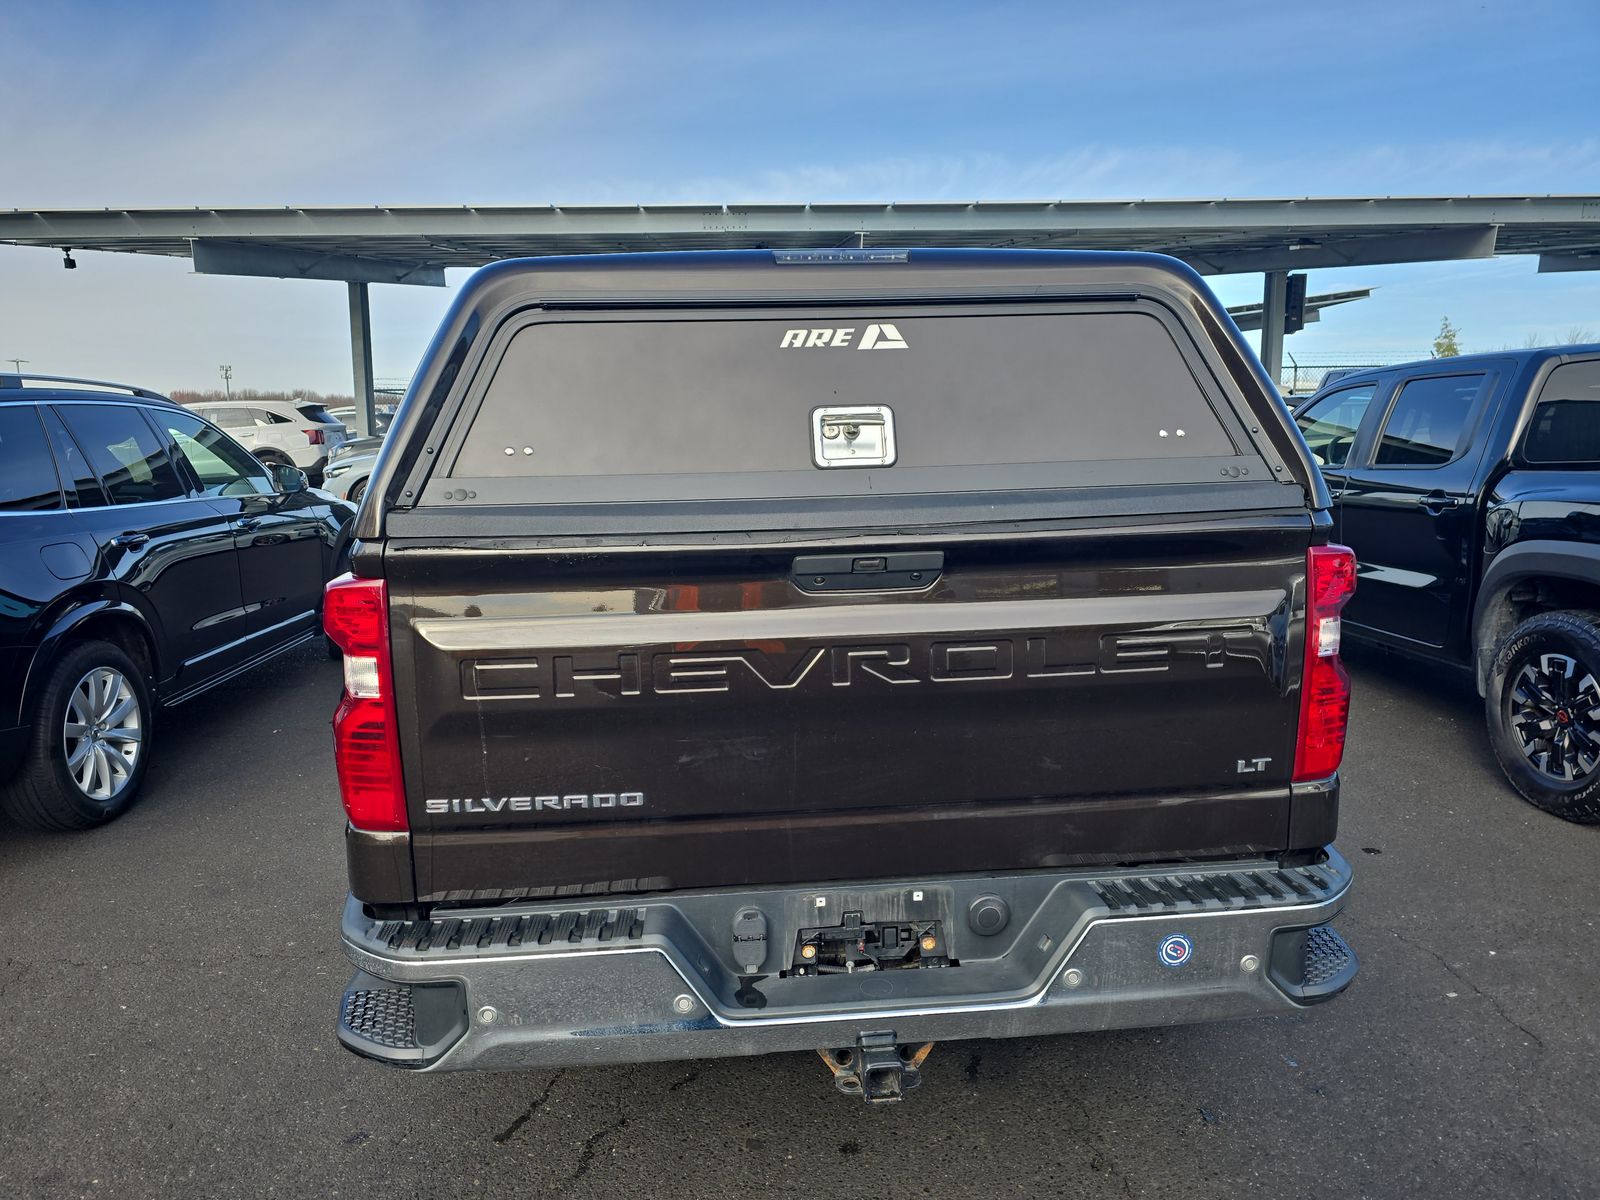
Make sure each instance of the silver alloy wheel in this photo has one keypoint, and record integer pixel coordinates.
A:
(103, 733)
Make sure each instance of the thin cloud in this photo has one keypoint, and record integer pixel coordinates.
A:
(1097, 172)
(325, 102)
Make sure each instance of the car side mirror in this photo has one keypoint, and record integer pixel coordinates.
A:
(287, 479)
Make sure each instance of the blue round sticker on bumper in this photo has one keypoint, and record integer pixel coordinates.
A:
(1175, 950)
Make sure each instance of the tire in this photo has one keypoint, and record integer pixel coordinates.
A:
(95, 681)
(271, 458)
(1543, 710)
(354, 495)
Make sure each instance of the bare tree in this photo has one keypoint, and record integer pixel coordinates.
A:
(245, 395)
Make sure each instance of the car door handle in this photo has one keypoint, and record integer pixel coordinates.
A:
(130, 541)
(1438, 502)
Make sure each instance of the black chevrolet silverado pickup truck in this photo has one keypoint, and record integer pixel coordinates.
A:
(837, 650)
(1469, 489)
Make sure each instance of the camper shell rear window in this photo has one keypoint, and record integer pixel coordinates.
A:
(672, 406)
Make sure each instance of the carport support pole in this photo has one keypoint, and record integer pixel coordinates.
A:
(361, 355)
(1274, 302)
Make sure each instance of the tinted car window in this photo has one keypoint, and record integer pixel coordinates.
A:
(125, 451)
(77, 476)
(1566, 423)
(223, 467)
(262, 417)
(1330, 424)
(315, 412)
(27, 474)
(705, 398)
(1428, 419)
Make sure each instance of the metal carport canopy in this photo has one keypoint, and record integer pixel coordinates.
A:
(414, 244)
(1216, 236)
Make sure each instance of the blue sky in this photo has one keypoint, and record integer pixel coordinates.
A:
(111, 105)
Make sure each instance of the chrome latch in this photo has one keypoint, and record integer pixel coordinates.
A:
(855, 436)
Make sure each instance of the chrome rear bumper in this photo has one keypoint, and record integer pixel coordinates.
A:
(562, 984)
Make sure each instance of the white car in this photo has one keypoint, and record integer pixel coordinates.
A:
(349, 467)
(289, 432)
(382, 414)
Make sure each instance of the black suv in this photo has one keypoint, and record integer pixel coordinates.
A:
(1469, 489)
(144, 557)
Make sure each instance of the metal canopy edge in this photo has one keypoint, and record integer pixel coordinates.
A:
(217, 257)
(1588, 261)
(383, 244)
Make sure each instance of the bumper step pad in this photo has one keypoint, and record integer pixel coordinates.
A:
(403, 1024)
(1214, 890)
(1313, 965)
(1327, 957)
(382, 1016)
(451, 935)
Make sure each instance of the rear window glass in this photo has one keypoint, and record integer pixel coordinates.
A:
(1428, 419)
(125, 451)
(77, 476)
(1566, 422)
(315, 412)
(652, 399)
(27, 472)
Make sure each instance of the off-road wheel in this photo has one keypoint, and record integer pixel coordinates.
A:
(1543, 709)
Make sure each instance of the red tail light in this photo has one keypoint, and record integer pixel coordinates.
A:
(1324, 685)
(366, 747)
(315, 435)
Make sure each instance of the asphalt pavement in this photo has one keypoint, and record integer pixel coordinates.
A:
(169, 990)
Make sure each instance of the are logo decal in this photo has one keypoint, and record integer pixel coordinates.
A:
(1175, 950)
(881, 336)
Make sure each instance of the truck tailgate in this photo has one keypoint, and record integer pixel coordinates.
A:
(627, 719)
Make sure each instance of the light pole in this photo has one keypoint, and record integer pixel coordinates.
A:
(227, 378)
(17, 362)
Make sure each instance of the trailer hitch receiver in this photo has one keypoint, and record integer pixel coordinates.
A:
(877, 1068)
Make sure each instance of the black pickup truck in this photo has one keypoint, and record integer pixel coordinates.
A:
(835, 650)
(1469, 489)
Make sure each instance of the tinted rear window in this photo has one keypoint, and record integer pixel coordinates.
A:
(125, 451)
(734, 397)
(77, 476)
(1566, 422)
(315, 412)
(1429, 418)
(27, 471)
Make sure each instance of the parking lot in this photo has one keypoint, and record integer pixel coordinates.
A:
(170, 985)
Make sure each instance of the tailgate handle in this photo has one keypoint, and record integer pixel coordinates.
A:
(907, 569)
